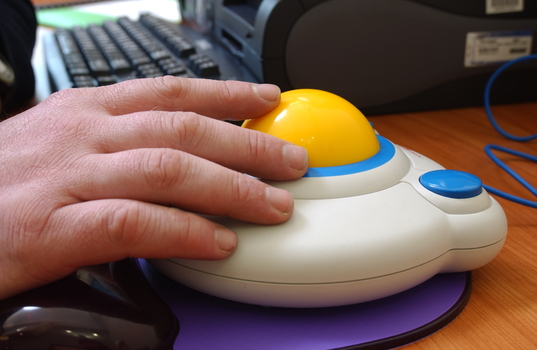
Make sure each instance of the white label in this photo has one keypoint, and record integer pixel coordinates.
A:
(504, 6)
(483, 48)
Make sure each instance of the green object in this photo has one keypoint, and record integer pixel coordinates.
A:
(67, 17)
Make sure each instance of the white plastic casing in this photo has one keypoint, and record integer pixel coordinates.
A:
(352, 238)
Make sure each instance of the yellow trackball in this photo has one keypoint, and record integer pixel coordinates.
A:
(333, 131)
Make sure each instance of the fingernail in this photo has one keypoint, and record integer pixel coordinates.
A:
(225, 239)
(280, 200)
(267, 92)
(295, 156)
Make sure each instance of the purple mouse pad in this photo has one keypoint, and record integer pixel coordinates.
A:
(208, 322)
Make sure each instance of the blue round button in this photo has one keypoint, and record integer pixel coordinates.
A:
(452, 183)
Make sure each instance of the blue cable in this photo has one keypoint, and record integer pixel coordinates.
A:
(515, 175)
(489, 148)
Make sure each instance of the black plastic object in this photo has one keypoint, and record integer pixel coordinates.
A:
(103, 307)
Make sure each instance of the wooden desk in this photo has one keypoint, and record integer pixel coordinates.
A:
(502, 312)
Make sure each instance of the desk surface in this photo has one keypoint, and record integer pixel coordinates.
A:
(502, 312)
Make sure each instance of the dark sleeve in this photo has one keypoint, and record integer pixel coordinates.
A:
(18, 26)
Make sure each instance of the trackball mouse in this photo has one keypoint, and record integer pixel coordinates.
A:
(371, 218)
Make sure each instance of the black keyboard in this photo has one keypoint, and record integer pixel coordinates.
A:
(124, 49)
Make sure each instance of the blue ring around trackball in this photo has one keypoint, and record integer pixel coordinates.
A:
(385, 153)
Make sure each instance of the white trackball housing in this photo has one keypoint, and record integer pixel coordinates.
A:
(360, 231)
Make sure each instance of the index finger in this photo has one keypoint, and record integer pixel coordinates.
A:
(231, 100)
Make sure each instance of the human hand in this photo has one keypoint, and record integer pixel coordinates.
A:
(96, 175)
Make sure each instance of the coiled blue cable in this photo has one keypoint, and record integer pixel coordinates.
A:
(489, 148)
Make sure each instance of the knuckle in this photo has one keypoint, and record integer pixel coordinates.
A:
(242, 190)
(125, 226)
(187, 230)
(229, 95)
(164, 168)
(112, 96)
(59, 98)
(182, 130)
(256, 146)
(168, 88)
(190, 129)
(228, 92)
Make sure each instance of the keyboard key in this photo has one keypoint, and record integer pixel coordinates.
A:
(118, 62)
(76, 65)
(94, 58)
(106, 80)
(149, 70)
(180, 47)
(172, 39)
(73, 58)
(148, 43)
(172, 66)
(66, 42)
(203, 66)
(80, 81)
(127, 45)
